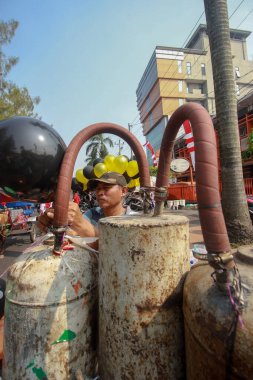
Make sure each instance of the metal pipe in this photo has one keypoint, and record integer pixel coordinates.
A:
(67, 167)
(207, 181)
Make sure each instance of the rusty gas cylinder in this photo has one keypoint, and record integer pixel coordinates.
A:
(142, 263)
(218, 339)
(49, 330)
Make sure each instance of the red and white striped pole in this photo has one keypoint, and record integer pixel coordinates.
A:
(149, 146)
(189, 141)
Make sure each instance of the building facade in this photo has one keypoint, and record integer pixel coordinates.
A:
(174, 76)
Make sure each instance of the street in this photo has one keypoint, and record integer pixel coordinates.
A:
(14, 246)
(194, 224)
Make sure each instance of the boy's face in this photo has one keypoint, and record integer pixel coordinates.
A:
(109, 195)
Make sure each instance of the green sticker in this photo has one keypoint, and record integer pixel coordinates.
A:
(65, 337)
(40, 373)
(30, 365)
(9, 190)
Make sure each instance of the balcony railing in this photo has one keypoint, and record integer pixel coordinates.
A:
(187, 191)
(248, 184)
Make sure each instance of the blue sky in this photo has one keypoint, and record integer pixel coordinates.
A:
(85, 58)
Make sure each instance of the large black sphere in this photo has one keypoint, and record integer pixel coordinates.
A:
(97, 161)
(76, 186)
(31, 153)
(88, 172)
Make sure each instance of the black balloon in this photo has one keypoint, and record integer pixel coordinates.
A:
(31, 153)
(136, 176)
(127, 178)
(97, 161)
(93, 175)
(76, 186)
(88, 171)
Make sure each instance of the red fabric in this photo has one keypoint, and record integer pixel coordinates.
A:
(5, 198)
(76, 198)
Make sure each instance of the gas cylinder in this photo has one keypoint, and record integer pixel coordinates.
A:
(50, 321)
(218, 336)
(142, 263)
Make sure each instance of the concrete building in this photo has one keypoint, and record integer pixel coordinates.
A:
(174, 76)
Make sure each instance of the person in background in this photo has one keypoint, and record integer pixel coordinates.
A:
(110, 190)
(44, 206)
(76, 198)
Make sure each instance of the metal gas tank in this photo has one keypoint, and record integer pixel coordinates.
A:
(50, 319)
(219, 345)
(142, 264)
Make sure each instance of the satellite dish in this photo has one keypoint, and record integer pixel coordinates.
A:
(179, 165)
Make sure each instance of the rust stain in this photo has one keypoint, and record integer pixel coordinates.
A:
(86, 300)
(77, 286)
(136, 254)
(23, 286)
(147, 307)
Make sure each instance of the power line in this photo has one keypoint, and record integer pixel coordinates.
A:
(241, 90)
(250, 86)
(245, 96)
(191, 68)
(245, 18)
(236, 9)
(129, 128)
(175, 72)
(120, 144)
(184, 43)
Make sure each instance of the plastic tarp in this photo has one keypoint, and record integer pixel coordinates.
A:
(19, 204)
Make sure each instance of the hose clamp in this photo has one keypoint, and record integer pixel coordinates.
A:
(219, 260)
(59, 233)
(160, 194)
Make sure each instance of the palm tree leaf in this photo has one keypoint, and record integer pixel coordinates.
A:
(97, 147)
(108, 141)
(90, 147)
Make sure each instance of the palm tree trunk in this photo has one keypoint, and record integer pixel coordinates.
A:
(234, 203)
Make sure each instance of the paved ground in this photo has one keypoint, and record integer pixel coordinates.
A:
(194, 224)
(14, 246)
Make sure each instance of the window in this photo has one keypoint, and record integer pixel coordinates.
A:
(180, 102)
(195, 88)
(180, 85)
(179, 64)
(237, 72)
(203, 69)
(237, 89)
(188, 68)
